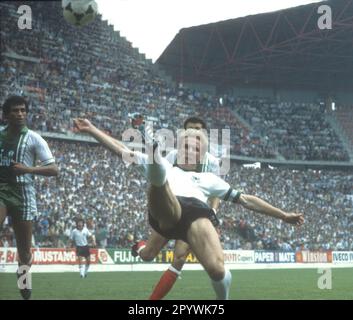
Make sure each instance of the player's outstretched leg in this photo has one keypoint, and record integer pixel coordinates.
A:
(163, 205)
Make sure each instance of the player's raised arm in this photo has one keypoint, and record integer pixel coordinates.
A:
(256, 204)
(84, 125)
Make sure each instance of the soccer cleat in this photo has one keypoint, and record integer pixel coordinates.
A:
(25, 292)
(137, 247)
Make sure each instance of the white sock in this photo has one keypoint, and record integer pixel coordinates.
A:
(86, 268)
(222, 287)
(151, 165)
(157, 169)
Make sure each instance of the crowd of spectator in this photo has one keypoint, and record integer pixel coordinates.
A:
(325, 198)
(96, 73)
(299, 130)
(98, 187)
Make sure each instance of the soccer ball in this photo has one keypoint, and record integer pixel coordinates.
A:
(79, 12)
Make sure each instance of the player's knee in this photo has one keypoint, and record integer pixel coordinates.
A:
(181, 255)
(179, 262)
(147, 254)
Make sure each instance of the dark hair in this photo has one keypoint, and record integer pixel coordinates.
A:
(13, 101)
(195, 120)
(80, 220)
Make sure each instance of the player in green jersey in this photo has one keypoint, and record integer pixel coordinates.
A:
(20, 149)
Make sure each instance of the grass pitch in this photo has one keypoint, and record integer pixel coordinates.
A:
(291, 284)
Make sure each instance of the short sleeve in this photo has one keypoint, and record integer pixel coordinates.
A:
(219, 188)
(42, 151)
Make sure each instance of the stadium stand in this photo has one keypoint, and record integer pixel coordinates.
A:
(93, 72)
(345, 117)
(299, 129)
(102, 77)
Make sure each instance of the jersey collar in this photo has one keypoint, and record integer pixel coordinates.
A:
(24, 130)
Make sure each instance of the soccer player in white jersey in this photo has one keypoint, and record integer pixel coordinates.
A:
(79, 238)
(177, 199)
(148, 250)
(20, 149)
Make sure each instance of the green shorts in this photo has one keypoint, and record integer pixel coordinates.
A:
(19, 200)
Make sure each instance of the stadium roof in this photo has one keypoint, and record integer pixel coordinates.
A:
(285, 48)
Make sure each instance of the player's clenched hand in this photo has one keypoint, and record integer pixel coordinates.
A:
(82, 125)
(294, 218)
(19, 168)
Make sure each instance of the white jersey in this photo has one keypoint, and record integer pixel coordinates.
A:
(38, 149)
(209, 164)
(200, 185)
(80, 236)
(27, 148)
